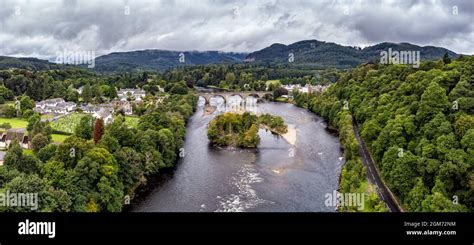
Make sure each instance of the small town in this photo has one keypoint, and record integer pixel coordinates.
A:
(57, 109)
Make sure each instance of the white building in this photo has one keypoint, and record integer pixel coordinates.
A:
(138, 94)
(57, 106)
(105, 114)
(306, 89)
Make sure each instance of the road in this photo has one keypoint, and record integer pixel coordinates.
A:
(373, 175)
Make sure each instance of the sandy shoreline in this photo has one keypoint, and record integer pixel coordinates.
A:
(290, 136)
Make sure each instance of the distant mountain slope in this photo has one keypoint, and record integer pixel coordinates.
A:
(308, 53)
(26, 63)
(325, 55)
(161, 60)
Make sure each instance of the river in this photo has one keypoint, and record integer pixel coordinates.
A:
(276, 177)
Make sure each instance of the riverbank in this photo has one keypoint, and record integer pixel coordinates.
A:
(290, 136)
(353, 177)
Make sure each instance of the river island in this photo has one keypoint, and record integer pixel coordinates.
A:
(241, 130)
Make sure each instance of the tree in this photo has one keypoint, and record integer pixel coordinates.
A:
(439, 202)
(273, 85)
(5, 93)
(41, 128)
(110, 143)
(6, 126)
(230, 78)
(167, 146)
(96, 178)
(446, 59)
(8, 111)
(370, 130)
(27, 113)
(179, 88)
(112, 92)
(38, 142)
(279, 92)
(417, 195)
(85, 127)
(250, 138)
(71, 151)
(14, 155)
(26, 103)
(433, 101)
(72, 95)
(463, 124)
(130, 168)
(14, 158)
(34, 119)
(51, 200)
(121, 132)
(98, 130)
(468, 141)
(87, 93)
(46, 153)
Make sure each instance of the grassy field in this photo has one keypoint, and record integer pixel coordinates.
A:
(67, 123)
(15, 122)
(59, 138)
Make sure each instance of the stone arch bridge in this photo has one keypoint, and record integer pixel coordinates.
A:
(225, 95)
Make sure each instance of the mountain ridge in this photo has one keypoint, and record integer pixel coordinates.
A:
(306, 53)
(321, 54)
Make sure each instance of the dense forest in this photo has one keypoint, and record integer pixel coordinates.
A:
(418, 125)
(246, 77)
(161, 60)
(314, 54)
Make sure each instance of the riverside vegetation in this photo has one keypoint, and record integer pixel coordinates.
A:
(241, 130)
(418, 125)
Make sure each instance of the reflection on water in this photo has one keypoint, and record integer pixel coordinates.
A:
(275, 177)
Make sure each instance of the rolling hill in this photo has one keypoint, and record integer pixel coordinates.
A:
(26, 63)
(162, 60)
(318, 54)
(309, 53)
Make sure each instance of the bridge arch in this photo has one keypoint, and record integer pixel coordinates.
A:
(206, 99)
(218, 95)
(269, 94)
(243, 95)
(255, 95)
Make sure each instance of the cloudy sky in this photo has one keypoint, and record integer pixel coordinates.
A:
(40, 28)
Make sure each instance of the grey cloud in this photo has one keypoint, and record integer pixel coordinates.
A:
(46, 26)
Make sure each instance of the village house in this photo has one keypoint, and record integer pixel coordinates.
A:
(137, 94)
(89, 108)
(306, 89)
(56, 106)
(105, 114)
(7, 137)
(124, 106)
